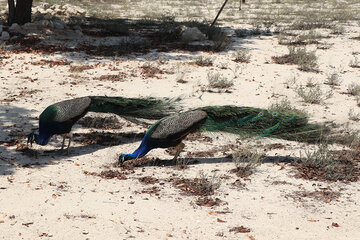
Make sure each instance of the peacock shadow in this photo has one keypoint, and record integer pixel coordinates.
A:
(183, 162)
(85, 143)
(14, 123)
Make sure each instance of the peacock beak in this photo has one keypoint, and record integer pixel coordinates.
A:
(121, 159)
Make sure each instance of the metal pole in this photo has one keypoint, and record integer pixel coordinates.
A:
(222, 7)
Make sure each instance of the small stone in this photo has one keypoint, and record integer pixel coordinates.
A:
(77, 27)
(56, 7)
(43, 23)
(58, 24)
(5, 36)
(39, 17)
(15, 27)
(192, 34)
(71, 12)
(30, 26)
(67, 6)
(44, 6)
(79, 33)
(49, 11)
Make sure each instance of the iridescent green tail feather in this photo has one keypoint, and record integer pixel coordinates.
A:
(148, 108)
(258, 122)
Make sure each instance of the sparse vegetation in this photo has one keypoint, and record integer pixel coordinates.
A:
(323, 164)
(310, 37)
(354, 89)
(313, 95)
(246, 161)
(333, 80)
(204, 61)
(216, 80)
(354, 63)
(307, 61)
(338, 29)
(201, 186)
(285, 106)
(242, 55)
(321, 158)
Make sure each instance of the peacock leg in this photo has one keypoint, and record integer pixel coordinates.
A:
(70, 138)
(178, 148)
(63, 142)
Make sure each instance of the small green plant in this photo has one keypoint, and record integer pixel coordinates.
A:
(333, 80)
(313, 95)
(310, 37)
(321, 158)
(285, 106)
(338, 29)
(208, 184)
(204, 61)
(241, 55)
(354, 89)
(246, 161)
(216, 80)
(354, 63)
(307, 61)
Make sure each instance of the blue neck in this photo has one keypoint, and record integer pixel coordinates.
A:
(141, 151)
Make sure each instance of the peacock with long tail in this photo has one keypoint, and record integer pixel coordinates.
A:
(59, 118)
(245, 121)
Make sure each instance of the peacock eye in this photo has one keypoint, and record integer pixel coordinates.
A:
(260, 114)
(275, 114)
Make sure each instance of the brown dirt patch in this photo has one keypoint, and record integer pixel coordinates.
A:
(148, 180)
(109, 174)
(326, 195)
(195, 186)
(347, 169)
(240, 229)
(208, 202)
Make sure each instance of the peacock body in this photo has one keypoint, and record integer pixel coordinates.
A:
(59, 118)
(245, 121)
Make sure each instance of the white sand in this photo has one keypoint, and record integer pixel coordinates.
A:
(56, 200)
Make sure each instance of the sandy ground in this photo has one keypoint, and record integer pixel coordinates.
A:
(55, 196)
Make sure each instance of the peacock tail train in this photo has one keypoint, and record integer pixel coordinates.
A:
(257, 122)
(244, 121)
(148, 108)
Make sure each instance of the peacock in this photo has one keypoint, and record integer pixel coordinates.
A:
(245, 121)
(59, 118)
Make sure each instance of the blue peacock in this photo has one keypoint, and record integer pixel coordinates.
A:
(59, 118)
(245, 121)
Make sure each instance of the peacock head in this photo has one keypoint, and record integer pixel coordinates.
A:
(39, 139)
(125, 157)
